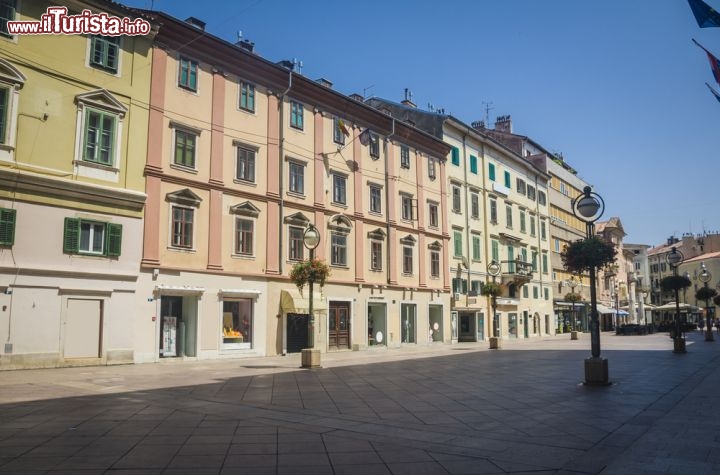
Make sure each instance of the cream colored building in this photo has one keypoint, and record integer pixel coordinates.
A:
(243, 156)
(73, 146)
(497, 211)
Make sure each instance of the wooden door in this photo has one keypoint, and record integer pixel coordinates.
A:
(339, 325)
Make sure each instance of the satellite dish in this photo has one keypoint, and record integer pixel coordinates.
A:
(465, 262)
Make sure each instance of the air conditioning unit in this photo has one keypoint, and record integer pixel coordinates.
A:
(457, 297)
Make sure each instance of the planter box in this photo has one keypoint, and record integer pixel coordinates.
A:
(494, 343)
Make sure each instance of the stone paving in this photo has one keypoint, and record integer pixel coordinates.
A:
(458, 409)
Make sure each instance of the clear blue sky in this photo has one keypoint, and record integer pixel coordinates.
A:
(617, 86)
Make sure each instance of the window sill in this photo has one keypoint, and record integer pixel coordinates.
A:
(244, 257)
(295, 194)
(183, 168)
(339, 205)
(185, 250)
(246, 111)
(244, 182)
(375, 213)
(96, 171)
(340, 266)
(377, 271)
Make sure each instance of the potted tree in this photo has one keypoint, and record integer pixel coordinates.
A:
(676, 283)
(573, 298)
(492, 290)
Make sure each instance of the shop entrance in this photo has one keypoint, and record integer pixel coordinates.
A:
(297, 332)
(377, 324)
(339, 326)
(436, 323)
(178, 326)
(467, 326)
(408, 322)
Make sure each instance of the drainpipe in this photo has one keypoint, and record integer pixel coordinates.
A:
(281, 147)
(387, 201)
(466, 185)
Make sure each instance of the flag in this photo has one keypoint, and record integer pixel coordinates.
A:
(714, 62)
(715, 93)
(704, 14)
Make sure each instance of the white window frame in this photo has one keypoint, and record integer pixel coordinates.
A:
(12, 80)
(90, 64)
(249, 148)
(338, 178)
(302, 166)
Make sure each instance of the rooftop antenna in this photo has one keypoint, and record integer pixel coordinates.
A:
(487, 112)
(365, 90)
(239, 36)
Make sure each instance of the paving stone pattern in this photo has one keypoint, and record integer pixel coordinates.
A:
(458, 409)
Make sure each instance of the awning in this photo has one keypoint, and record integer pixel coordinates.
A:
(603, 309)
(673, 306)
(292, 301)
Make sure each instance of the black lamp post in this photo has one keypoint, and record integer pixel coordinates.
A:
(674, 258)
(311, 239)
(705, 277)
(588, 208)
(494, 271)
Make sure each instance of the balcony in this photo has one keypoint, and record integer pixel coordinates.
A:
(517, 272)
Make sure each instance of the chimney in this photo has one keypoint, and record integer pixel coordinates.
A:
(408, 99)
(196, 22)
(247, 45)
(328, 84)
(357, 97)
(478, 125)
(504, 124)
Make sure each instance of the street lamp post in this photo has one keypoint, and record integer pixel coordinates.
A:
(674, 258)
(310, 356)
(588, 208)
(705, 277)
(494, 271)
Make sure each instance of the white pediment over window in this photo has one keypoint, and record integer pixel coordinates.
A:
(435, 246)
(184, 197)
(245, 209)
(102, 99)
(297, 219)
(408, 240)
(378, 233)
(10, 74)
(340, 221)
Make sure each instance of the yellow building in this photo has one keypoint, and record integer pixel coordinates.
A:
(73, 127)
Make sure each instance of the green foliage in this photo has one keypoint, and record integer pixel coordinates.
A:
(589, 253)
(675, 282)
(705, 293)
(491, 289)
(572, 297)
(716, 299)
(311, 269)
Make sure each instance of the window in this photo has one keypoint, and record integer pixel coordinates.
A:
(541, 198)
(557, 245)
(534, 261)
(508, 183)
(7, 226)
(99, 144)
(474, 205)
(433, 214)
(473, 164)
(522, 221)
(7, 13)
(544, 263)
(495, 249)
(459, 285)
(563, 189)
(532, 225)
(339, 189)
(375, 199)
(431, 169)
(520, 185)
(4, 109)
(404, 156)
(434, 264)
(475, 286)
(491, 171)
(245, 164)
(531, 192)
(338, 249)
(546, 291)
(543, 234)
(375, 255)
(244, 236)
(457, 244)
(511, 258)
(455, 156)
(92, 237)
(374, 145)
(493, 211)
(185, 143)
(247, 97)
(407, 260)
(407, 207)
(508, 215)
(535, 291)
(339, 131)
(295, 243)
(296, 115)
(476, 248)
(456, 199)
(297, 177)
(188, 75)
(104, 52)
(182, 226)
(237, 317)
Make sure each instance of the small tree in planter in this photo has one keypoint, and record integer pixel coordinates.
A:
(492, 290)
(675, 283)
(304, 271)
(573, 298)
(706, 293)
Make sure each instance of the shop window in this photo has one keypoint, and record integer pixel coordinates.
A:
(237, 324)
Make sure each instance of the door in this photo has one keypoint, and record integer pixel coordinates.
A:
(83, 326)
(525, 322)
(297, 332)
(339, 325)
(171, 327)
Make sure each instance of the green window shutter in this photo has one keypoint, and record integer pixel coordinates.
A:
(455, 156)
(457, 241)
(473, 164)
(491, 171)
(496, 252)
(71, 236)
(476, 248)
(4, 97)
(507, 179)
(7, 227)
(113, 239)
